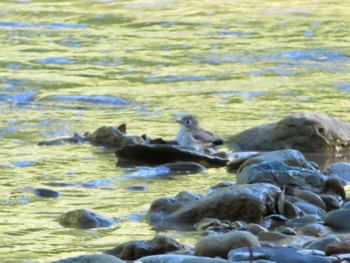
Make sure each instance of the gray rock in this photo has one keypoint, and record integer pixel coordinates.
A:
(136, 249)
(341, 169)
(306, 132)
(220, 245)
(338, 219)
(282, 175)
(276, 254)
(91, 258)
(310, 209)
(315, 229)
(322, 243)
(179, 259)
(84, 219)
(249, 203)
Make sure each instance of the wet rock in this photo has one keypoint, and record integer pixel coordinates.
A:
(47, 193)
(338, 219)
(220, 245)
(84, 219)
(275, 254)
(163, 154)
(113, 137)
(180, 259)
(315, 229)
(341, 169)
(321, 244)
(331, 202)
(213, 225)
(310, 197)
(75, 139)
(271, 236)
(249, 203)
(304, 220)
(137, 249)
(309, 209)
(282, 175)
(255, 229)
(91, 258)
(287, 231)
(338, 247)
(288, 156)
(221, 185)
(306, 132)
(333, 185)
(135, 188)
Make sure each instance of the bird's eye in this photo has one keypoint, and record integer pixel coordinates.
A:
(188, 122)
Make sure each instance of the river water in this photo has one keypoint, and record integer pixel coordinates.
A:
(73, 66)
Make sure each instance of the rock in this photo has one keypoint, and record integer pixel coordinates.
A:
(288, 156)
(310, 197)
(334, 186)
(321, 244)
(338, 247)
(179, 259)
(163, 154)
(315, 229)
(137, 249)
(306, 132)
(341, 169)
(219, 245)
(84, 219)
(249, 203)
(113, 137)
(75, 139)
(271, 236)
(331, 202)
(91, 258)
(338, 219)
(47, 193)
(275, 254)
(282, 175)
(310, 209)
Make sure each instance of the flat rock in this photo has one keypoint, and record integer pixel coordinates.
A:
(163, 154)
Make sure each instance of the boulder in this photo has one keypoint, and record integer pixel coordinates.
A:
(249, 203)
(322, 243)
(282, 175)
(305, 131)
(219, 245)
(338, 247)
(84, 219)
(137, 249)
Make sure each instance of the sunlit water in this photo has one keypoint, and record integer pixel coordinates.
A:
(73, 66)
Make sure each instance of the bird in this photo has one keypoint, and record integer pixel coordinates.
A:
(192, 135)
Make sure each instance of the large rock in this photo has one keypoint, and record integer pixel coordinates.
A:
(249, 203)
(282, 175)
(136, 249)
(307, 132)
(219, 245)
(341, 170)
(338, 219)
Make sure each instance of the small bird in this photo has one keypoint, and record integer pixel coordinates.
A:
(192, 135)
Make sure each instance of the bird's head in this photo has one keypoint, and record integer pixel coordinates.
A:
(188, 121)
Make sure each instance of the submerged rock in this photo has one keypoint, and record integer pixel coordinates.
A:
(136, 249)
(47, 193)
(84, 219)
(163, 154)
(249, 203)
(76, 138)
(306, 132)
(219, 245)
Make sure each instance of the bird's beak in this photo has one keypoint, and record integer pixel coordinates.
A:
(178, 121)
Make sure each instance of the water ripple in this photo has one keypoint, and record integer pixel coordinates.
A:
(42, 25)
(91, 99)
(179, 78)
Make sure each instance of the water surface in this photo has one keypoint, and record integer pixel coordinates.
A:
(73, 66)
